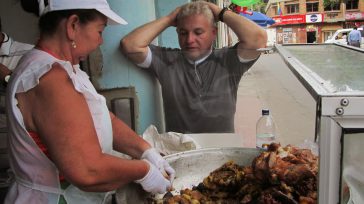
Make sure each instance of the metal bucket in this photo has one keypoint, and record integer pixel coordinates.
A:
(191, 168)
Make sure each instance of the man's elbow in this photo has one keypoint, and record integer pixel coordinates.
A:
(125, 46)
(130, 47)
(133, 51)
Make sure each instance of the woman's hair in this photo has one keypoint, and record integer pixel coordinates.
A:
(197, 7)
(48, 22)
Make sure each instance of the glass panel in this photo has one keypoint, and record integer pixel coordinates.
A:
(332, 7)
(352, 182)
(340, 67)
(351, 4)
(312, 7)
(293, 8)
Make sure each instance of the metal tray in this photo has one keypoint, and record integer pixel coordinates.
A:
(191, 168)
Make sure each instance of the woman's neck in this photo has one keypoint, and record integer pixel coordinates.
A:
(54, 48)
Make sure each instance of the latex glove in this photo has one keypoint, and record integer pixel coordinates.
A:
(154, 182)
(155, 158)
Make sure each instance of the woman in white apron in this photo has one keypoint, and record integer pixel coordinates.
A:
(61, 134)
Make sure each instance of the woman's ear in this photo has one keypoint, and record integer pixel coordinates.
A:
(72, 26)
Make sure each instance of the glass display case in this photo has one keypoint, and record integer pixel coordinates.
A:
(333, 74)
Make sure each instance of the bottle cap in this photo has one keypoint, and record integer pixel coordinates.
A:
(265, 111)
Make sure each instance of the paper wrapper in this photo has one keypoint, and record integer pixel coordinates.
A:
(170, 142)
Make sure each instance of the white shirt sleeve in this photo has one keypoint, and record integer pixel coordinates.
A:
(148, 60)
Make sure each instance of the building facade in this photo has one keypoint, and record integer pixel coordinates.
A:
(313, 21)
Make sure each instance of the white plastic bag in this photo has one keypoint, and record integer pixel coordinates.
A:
(170, 142)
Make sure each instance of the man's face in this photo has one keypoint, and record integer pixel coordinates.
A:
(195, 36)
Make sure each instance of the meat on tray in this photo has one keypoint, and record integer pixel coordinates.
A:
(279, 175)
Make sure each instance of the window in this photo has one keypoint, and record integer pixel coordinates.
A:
(292, 8)
(332, 7)
(312, 6)
(274, 9)
(352, 4)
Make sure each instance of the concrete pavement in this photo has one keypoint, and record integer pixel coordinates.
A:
(271, 84)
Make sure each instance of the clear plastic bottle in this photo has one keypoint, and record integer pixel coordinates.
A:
(265, 130)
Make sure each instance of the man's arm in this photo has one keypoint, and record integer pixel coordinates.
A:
(135, 44)
(251, 35)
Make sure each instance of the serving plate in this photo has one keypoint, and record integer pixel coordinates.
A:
(191, 168)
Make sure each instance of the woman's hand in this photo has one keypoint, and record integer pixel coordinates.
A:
(153, 156)
(154, 181)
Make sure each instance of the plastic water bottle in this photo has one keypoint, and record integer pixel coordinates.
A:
(265, 130)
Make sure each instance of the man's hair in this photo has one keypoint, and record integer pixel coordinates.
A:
(197, 7)
(355, 28)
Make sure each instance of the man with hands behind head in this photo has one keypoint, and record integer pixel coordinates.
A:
(199, 83)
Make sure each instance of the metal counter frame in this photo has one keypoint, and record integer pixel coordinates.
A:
(336, 113)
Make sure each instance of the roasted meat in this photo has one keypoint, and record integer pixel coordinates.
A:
(279, 175)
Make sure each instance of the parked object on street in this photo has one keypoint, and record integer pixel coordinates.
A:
(340, 36)
(337, 37)
(266, 130)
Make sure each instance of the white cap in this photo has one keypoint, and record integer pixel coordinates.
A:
(100, 5)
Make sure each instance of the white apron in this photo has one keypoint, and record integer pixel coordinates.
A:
(37, 178)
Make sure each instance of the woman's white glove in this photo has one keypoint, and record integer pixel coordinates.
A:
(155, 158)
(154, 182)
